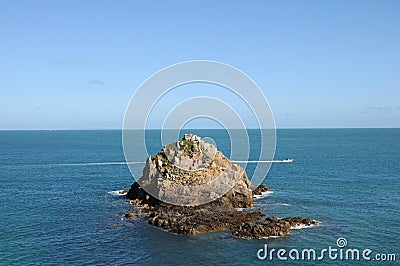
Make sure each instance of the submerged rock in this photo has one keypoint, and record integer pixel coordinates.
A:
(190, 187)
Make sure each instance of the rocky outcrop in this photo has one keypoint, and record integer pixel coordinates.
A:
(190, 187)
(200, 220)
(271, 226)
(260, 190)
(192, 172)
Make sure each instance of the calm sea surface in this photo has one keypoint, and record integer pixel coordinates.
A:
(56, 208)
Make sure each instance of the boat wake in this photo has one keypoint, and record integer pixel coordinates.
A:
(95, 163)
(273, 161)
(89, 164)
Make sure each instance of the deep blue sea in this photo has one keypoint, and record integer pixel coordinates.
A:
(56, 208)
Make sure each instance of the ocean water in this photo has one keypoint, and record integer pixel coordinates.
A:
(56, 208)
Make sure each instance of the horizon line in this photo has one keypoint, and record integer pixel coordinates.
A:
(120, 129)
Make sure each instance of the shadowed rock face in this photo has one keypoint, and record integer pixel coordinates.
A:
(191, 163)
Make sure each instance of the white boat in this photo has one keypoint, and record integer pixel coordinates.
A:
(288, 160)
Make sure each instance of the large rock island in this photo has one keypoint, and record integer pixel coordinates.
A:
(189, 188)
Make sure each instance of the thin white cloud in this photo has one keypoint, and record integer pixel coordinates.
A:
(379, 109)
(96, 82)
(74, 63)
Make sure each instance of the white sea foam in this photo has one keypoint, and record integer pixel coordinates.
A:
(263, 195)
(271, 237)
(302, 226)
(117, 192)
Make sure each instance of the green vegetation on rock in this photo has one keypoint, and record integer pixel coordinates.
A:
(186, 144)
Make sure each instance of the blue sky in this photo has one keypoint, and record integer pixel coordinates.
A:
(75, 64)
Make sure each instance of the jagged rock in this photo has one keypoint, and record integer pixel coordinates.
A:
(270, 226)
(260, 189)
(195, 220)
(130, 215)
(138, 193)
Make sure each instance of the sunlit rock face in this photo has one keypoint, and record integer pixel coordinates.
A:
(192, 172)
